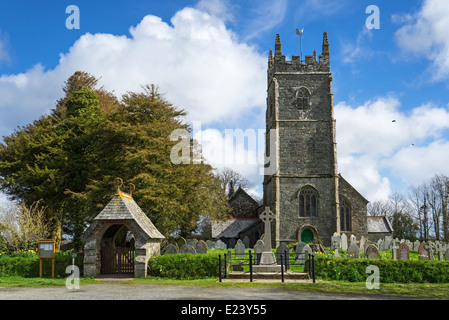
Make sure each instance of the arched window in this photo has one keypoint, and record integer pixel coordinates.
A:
(345, 215)
(308, 202)
(303, 98)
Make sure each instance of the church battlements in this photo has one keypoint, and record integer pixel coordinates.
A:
(311, 64)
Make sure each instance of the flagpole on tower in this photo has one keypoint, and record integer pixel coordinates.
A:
(300, 32)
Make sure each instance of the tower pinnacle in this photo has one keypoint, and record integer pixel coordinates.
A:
(325, 44)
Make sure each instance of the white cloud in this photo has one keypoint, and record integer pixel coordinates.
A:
(425, 34)
(196, 61)
(419, 163)
(378, 137)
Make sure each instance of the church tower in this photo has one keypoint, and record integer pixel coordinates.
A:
(301, 185)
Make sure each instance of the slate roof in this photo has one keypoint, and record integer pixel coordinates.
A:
(231, 227)
(123, 207)
(378, 225)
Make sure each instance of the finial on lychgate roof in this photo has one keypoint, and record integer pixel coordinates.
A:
(132, 187)
(118, 182)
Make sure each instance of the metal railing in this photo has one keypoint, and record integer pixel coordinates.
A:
(241, 262)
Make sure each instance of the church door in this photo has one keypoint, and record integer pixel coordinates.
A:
(307, 236)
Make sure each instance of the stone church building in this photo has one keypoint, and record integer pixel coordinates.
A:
(310, 199)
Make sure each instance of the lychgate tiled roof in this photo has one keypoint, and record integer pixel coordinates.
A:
(123, 207)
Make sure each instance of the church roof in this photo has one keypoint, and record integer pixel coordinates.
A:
(379, 225)
(231, 228)
(123, 207)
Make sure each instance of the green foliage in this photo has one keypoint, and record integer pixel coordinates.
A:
(26, 265)
(184, 266)
(391, 271)
(69, 160)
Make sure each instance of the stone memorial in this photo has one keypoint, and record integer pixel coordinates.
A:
(344, 241)
(210, 244)
(239, 249)
(353, 251)
(267, 259)
(371, 252)
(258, 249)
(404, 251)
(201, 247)
(186, 248)
(246, 241)
(171, 249)
(280, 251)
(423, 253)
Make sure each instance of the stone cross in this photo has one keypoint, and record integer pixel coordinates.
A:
(267, 216)
(430, 248)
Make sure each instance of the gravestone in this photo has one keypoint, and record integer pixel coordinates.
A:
(170, 249)
(423, 254)
(344, 241)
(201, 247)
(192, 242)
(210, 244)
(404, 251)
(440, 251)
(380, 244)
(239, 249)
(305, 256)
(258, 249)
(231, 243)
(431, 249)
(336, 247)
(362, 244)
(353, 251)
(446, 255)
(298, 250)
(394, 250)
(267, 257)
(186, 248)
(416, 245)
(388, 242)
(371, 252)
(220, 245)
(246, 241)
(280, 251)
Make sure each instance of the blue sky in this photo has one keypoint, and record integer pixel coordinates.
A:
(210, 57)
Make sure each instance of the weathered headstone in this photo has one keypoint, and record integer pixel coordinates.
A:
(186, 248)
(298, 250)
(404, 251)
(423, 254)
(336, 247)
(446, 255)
(258, 249)
(394, 249)
(170, 249)
(431, 249)
(201, 247)
(416, 245)
(353, 251)
(372, 252)
(362, 244)
(344, 241)
(210, 244)
(439, 249)
(280, 251)
(220, 245)
(246, 241)
(231, 243)
(239, 249)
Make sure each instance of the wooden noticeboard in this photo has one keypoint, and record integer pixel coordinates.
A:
(46, 249)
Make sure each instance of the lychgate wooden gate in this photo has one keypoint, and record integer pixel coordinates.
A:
(117, 260)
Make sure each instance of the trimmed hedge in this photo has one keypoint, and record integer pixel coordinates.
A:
(184, 266)
(29, 266)
(390, 271)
